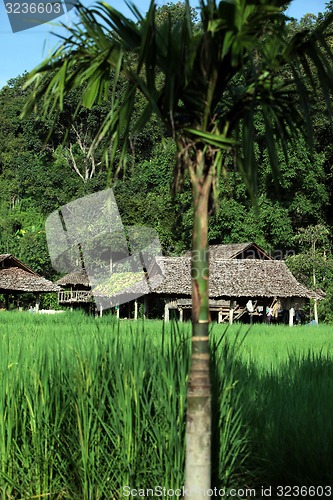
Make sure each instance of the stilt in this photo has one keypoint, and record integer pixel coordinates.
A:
(291, 316)
(145, 307)
(135, 309)
(118, 312)
(37, 303)
(231, 312)
(181, 314)
(220, 317)
(166, 312)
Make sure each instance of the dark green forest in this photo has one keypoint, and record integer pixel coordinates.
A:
(44, 164)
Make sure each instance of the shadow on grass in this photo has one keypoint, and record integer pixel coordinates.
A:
(288, 413)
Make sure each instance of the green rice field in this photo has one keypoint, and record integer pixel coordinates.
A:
(89, 406)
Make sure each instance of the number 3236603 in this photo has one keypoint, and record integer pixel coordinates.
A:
(33, 8)
(303, 491)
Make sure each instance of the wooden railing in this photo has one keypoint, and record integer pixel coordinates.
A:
(238, 313)
(74, 296)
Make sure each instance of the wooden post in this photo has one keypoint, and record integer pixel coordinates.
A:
(145, 307)
(220, 317)
(37, 303)
(231, 312)
(166, 312)
(118, 312)
(181, 315)
(136, 309)
(101, 310)
(291, 316)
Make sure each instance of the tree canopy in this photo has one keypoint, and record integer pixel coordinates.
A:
(37, 176)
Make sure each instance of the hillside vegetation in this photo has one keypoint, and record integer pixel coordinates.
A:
(41, 170)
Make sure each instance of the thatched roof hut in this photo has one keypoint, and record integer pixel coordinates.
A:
(230, 280)
(18, 280)
(233, 284)
(17, 277)
(75, 289)
(233, 279)
(238, 272)
(75, 279)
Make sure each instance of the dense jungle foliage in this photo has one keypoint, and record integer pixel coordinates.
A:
(42, 168)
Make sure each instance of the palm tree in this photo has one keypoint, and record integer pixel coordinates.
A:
(209, 87)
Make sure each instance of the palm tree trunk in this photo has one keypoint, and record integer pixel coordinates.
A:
(198, 427)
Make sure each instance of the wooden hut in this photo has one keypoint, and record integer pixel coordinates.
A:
(75, 290)
(232, 284)
(240, 274)
(16, 278)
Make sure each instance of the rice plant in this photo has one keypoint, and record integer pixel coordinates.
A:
(88, 406)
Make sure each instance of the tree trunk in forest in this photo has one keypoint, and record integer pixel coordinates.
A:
(198, 426)
(315, 302)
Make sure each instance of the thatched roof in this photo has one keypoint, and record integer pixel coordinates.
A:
(75, 278)
(229, 278)
(235, 251)
(121, 283)
(8, 260)
(233, 278)
(119, 287)
(15, 279)
(4, 256)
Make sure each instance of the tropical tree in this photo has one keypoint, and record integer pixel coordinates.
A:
(314, 241)
(206, 86)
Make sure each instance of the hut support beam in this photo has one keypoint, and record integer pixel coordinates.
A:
(135, 309)
(231, 313)
(181, 314)
(166, 312)
(291, 316)
(145, 307)
(118, 312)
(37, 303)
(220, 317)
